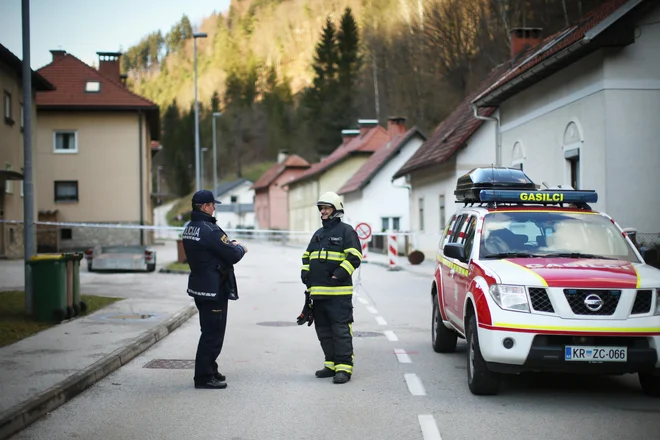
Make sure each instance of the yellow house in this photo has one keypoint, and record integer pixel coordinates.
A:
(331, 173)
(11, 149)
(94, 152)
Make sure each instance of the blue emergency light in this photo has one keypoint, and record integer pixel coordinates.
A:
(545, 197)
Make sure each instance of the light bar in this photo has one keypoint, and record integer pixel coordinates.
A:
(540, 197)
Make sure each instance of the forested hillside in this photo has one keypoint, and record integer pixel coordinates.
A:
(290, 74)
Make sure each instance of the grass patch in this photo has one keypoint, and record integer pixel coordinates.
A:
(182, 207)
(178, 266)
(15, 324)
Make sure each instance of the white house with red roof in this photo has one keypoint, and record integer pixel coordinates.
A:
(93, 152)
(370, 195)
(581, 109)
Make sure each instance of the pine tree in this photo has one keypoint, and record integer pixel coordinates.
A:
(348, 68)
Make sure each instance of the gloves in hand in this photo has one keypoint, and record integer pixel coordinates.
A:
(304, 276)
(307, 313)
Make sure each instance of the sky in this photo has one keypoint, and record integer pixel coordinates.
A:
(84, 27)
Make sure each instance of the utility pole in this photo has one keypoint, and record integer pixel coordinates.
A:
(215, 153)
(197, 35)
(28, 190)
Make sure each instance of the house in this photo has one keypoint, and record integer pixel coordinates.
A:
(370, 195)
(11, 149)
(93, 154)
(237, 204)
(271, 203)
(581, 109)
(460, 143)
(331, 173)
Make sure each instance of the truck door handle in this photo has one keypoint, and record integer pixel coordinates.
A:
(452, 272)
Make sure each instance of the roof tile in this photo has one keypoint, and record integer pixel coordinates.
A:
(272, 173)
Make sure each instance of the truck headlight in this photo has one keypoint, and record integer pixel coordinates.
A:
(657, 302)
(510, 297)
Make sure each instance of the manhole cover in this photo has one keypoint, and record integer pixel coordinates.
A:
(171, 364)
(277, 324)
(366, 334)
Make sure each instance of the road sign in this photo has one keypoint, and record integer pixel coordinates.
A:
(363, 231)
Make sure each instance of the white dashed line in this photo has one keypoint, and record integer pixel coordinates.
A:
(389, 334)
(414, 384)
(402, 356)
(429, 427)
(372, 310)
(363, 301)
(380, 320)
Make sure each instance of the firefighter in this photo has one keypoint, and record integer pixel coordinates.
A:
(212, 283)
(331, 257)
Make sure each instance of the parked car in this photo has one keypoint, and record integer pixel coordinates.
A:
(536, 280)
(121, 258)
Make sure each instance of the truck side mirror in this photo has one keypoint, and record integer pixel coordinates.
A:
(455, 250)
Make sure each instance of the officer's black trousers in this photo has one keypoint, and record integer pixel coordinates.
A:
(333, 320)
(213, 322)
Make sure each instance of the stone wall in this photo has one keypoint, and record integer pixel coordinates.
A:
(83, 238)
(13, 234)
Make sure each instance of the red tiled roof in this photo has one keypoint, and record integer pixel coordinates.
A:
(39, 83)
(378, 160)
(370, 142)
(552, 45)
(452, 133)
(69, 75)
(293, 161)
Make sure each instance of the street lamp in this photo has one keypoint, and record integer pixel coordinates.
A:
(215, 153)
(203, 150)
(197, 35)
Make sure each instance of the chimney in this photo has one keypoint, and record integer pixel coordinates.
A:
(109, 65)
(57, 54)
(524, 38)
(366, 125)
(396, 125)
(348, 135)
(282, 156)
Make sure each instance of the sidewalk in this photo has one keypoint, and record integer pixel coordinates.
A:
(43, 371)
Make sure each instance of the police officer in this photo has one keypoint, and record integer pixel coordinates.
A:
(211, 256)
(331, 257)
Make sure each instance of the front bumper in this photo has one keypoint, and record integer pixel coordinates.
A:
(544, 351)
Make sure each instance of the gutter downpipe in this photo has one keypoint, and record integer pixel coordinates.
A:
(141, 178)
(498, 133)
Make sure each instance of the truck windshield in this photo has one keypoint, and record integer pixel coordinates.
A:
(555, 234)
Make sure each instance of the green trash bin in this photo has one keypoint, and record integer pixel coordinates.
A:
(74, 299)
(48, 273)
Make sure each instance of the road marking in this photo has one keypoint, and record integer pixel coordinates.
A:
(429, 427)
(402, 356)
(372, 310)
(389, 334)
(362, 300)
(414, 384)
(380, 320)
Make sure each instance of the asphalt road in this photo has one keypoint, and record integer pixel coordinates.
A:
(400, 390)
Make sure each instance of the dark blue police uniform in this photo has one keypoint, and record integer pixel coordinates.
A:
(211, 256)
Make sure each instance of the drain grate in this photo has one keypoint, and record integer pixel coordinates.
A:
(359, 334)
(171, 364)
(278, 324)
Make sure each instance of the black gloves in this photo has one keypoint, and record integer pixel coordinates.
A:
(304, 276)
(307, 313)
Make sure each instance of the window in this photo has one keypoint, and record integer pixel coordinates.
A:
(233, 199)
(572, 146)
(9, 184)
(396, 223)
(518, 156)
(573, 159)
(65, 142)
(421, 213)
(7, 106)
(442, 212)
(469, 236)
(66, 234)
(66, 191)
(385, 223)
(92, 87)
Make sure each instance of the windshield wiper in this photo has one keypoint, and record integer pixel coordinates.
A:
(577, 255)
(512, 255)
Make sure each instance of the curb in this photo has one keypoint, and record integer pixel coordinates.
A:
(28, 412)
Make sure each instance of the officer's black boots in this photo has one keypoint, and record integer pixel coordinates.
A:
(219, 377)
(341, 377)
(213, 384)
(325, 372)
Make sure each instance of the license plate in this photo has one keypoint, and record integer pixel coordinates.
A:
(596, 354)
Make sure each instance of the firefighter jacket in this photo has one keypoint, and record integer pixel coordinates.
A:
(333, 251)
(211, 257)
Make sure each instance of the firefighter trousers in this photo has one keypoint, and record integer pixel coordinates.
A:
(333, 320)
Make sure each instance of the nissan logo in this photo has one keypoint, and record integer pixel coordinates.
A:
(593, 302)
